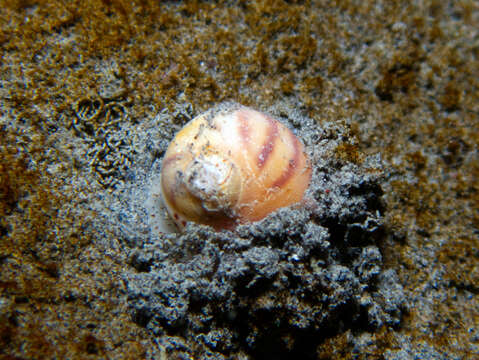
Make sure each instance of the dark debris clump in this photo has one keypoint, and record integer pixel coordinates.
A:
(279, 287)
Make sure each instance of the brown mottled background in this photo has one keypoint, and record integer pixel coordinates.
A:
(403, 75)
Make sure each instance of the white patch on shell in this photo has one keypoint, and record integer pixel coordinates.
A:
(206, 178)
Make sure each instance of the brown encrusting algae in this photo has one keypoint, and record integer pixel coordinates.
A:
(378, 260)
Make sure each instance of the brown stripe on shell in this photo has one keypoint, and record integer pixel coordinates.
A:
(243, 127)
(268, 145)
(167, 161)
(293, 163)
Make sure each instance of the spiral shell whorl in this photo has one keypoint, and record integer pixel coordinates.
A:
(232, 165)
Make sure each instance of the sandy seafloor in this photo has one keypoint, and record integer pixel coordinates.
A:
(381, 259)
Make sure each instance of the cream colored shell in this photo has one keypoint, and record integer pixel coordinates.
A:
(232, 165)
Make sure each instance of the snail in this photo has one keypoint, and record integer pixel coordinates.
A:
(232, 165)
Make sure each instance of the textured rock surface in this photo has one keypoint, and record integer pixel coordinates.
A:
(92, 91)
(278, 286)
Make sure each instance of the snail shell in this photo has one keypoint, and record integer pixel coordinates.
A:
(232, 165)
